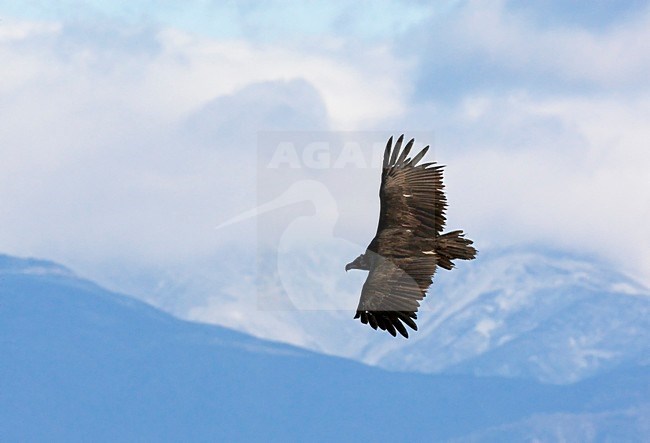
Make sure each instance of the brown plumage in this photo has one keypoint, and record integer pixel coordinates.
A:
(408, 246)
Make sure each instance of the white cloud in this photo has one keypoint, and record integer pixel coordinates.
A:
(485, 47)
(100, 171)
(96, 167)
(564, 172)
(544, 130)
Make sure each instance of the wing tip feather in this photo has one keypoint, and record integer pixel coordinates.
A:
(392, 322)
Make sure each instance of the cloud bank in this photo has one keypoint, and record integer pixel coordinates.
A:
(125, 142)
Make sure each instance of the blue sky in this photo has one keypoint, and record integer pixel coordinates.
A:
(274, 20)
(129, 128)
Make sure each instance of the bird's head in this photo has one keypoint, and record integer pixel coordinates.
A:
(361, 262)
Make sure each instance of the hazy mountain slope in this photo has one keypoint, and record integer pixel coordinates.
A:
(81, 363)
(542, 315)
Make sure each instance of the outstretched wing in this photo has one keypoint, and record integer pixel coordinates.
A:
(391, 295)
(402, 253)
(411, 195)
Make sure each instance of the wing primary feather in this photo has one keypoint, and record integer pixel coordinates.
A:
(418, 157)
(396, 148)
(390, 328)
(400, 327)
(381, 322)
(387, 152)
(406, 151)
(408, 320)
(364, 318)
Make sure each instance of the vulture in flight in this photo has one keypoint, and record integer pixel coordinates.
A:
(409, 244)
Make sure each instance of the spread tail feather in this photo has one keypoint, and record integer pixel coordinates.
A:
(451, 246)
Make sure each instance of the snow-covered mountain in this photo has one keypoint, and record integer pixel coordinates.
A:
(541, 315)
(80, 363)
(536, 315)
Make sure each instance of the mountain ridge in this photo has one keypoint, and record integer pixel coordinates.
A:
(80, 363)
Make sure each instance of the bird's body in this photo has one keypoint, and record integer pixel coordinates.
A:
(409, 244)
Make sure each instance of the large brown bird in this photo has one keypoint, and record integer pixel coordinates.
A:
(409, 245)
